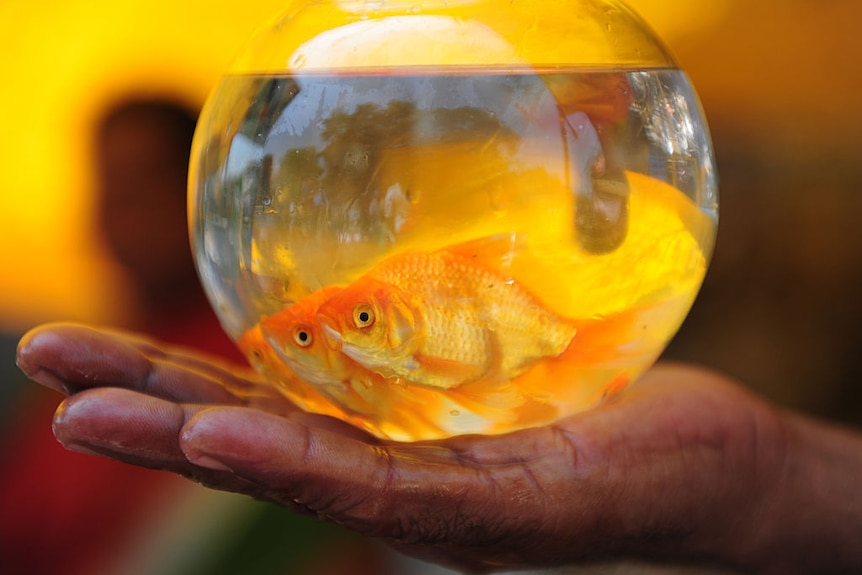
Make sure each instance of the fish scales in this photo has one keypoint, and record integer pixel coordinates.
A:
(475, 315)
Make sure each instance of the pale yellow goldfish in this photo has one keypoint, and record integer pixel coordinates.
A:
(444, 319)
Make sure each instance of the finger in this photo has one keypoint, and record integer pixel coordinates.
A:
(239, 378)
(323, 469)
(136, 429)
(71, 358)
(419, 495)
(128, 426)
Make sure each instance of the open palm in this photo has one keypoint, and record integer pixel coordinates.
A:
(648, 475)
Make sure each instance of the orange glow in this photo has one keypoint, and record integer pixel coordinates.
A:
(63, 62)
(679, 18)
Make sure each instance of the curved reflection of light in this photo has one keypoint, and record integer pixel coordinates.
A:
(396, 40)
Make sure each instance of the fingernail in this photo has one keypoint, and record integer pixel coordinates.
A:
(36, 372)
(50, 380)
(92, 450)
(209, 463)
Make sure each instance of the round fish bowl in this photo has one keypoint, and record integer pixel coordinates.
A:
(437, 218)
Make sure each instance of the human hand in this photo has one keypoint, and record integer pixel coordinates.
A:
(676, 468)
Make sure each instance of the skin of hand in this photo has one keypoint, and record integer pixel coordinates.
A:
(685, 466)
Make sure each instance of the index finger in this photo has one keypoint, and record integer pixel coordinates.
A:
(70, 358)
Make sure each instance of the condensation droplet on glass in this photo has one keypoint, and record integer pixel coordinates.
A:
(498, 204)
(411, 195)
(298, 60)
(281, 290)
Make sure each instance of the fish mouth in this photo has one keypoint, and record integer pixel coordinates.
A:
(332, 337)
(273, 341)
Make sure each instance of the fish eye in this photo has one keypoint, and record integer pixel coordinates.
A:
(363, 316)
(302, 337)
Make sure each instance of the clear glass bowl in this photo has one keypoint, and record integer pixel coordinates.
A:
(435, 218)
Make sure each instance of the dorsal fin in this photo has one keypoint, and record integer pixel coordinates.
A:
(497, 251)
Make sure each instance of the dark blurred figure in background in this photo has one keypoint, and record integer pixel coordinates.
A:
(75, 514)
(142, 153)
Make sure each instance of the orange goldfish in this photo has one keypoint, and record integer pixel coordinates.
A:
(289, 345)
(297, 340)
(263, 358)
(445, 318)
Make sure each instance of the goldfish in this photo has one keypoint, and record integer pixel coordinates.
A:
(444, 319)
(289, 346)
(430, 343)
(264, 359)
(296, 339)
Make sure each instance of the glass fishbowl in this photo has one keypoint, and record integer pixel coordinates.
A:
(447, 217)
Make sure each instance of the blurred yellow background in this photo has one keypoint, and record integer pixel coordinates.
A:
(779, 79)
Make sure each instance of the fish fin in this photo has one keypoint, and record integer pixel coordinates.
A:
(401, 411)
(446, 373)
(491, 399)
(495, 350)
(616, 385)
(608, 340)
(496, 252)
(492, 396)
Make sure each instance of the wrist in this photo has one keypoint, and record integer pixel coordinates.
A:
(807, 513)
